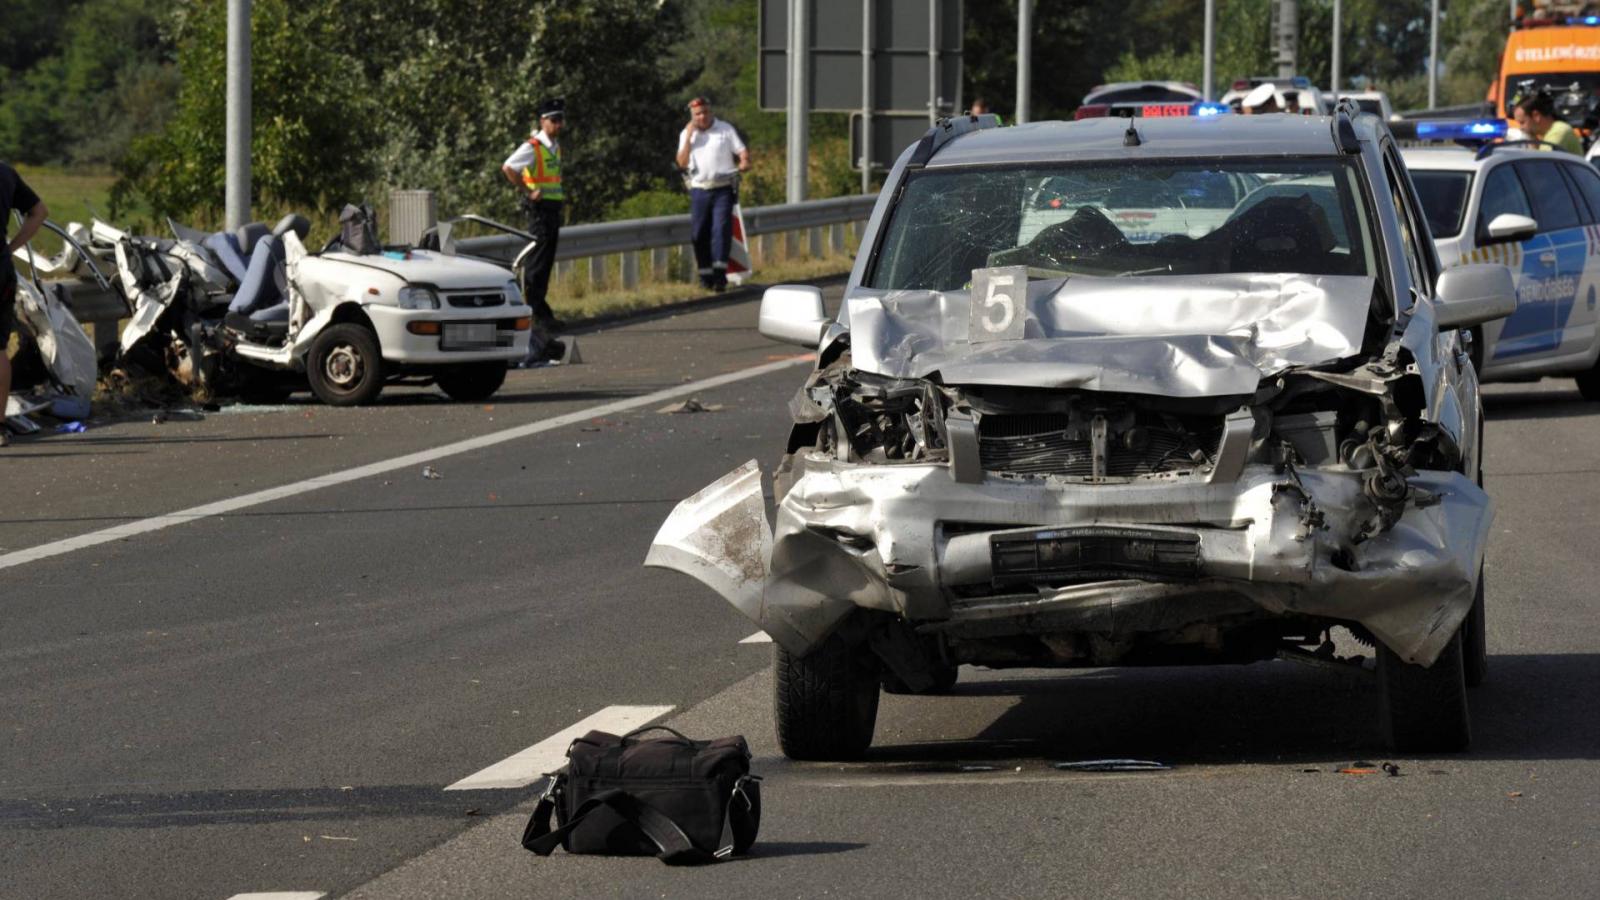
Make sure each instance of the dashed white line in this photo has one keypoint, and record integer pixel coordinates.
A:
(760, 637)
(156, 523)
(281, 895)
(522, 769)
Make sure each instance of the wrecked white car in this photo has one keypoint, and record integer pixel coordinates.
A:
(1073, 445)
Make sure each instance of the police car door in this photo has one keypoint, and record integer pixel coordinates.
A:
(1543, 301)
(1503, 193)
(1578, 331)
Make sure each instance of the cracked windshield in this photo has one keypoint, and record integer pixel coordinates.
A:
(1120, 220)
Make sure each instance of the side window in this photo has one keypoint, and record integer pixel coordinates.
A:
(1553, 204)
(1502, 193)
(1410, 235)
(1588, 184)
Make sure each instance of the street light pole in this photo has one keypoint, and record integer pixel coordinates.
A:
(1208, 88)
(1338, 41)
(799, 111)
(1433, 58)
(1024, 58)
(236, 179)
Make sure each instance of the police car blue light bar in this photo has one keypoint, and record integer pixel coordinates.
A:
(1480, 130)
(1583, 20)
(1204, 109)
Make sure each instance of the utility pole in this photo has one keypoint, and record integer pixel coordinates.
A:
(799, 105)
(1208, 88)
(933, 62)
(237, 153)
(866, 96)
(1433, 58)
(1288, 38)
(1024, 58)
(1338, 41)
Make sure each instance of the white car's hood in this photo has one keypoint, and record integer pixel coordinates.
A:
(432, 268)
(1176, 336)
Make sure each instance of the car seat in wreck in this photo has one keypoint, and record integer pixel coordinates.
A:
(260, 308)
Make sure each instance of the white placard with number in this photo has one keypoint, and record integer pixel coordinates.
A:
(999, 304)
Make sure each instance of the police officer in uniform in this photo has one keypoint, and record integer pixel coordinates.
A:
(713, 155)
(535, 168)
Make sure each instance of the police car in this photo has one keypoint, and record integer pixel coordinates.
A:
(1537, 212)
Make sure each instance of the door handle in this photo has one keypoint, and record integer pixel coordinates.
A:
(1548, 257)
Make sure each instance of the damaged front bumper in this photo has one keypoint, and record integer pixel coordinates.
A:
(1041, 556)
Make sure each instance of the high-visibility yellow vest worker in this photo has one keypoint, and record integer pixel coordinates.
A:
(535, 169)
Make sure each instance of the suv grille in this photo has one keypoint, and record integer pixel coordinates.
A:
(1045, 444)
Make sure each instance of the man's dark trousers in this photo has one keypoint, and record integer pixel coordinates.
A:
(544, 223)
(711, 224)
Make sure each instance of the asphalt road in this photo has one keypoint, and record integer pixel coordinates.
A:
(275, 698)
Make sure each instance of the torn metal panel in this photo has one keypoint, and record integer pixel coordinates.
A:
(1171, 336)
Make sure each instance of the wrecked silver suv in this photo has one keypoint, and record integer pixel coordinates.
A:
(1100, 394)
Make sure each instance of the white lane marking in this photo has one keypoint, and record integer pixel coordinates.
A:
(760, 637)
(281, 895)
(156, 523)
(523, 769)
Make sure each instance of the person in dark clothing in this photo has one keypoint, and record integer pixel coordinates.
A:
(14, 195)
(535, 168)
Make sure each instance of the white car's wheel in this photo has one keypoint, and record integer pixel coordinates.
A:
(826, 702)
(345, 366)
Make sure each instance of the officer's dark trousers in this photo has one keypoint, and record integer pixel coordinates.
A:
(711, 225)
(544, 223)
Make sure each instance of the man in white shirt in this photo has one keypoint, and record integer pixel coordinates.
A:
(713, 154)
(535, 168)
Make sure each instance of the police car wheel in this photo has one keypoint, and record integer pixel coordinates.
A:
(1589, 383)
(1424, 708)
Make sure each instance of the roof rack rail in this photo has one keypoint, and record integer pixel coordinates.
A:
(1343, 126)
(946, 130)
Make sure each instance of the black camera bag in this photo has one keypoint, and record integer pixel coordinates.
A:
(681, 800)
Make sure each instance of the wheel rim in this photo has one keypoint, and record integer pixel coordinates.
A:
(344, 367)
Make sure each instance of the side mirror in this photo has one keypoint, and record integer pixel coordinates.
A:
(1473, 294)
(793, 313)
(1512, 227)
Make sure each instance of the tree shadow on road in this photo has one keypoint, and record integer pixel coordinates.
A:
(1533, 707)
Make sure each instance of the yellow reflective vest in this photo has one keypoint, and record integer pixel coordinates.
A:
(545, 175)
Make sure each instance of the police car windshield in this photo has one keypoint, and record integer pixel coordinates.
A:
(1182, 217)
(1444, 199)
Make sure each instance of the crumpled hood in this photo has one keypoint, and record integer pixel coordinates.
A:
(437, 269)
(1176, 336)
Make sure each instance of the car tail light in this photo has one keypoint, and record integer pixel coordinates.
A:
(1093, 111)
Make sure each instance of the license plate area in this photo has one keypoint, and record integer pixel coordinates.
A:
(467, 336)
(1093, 553)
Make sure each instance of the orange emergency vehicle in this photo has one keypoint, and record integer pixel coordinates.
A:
(1556, 47)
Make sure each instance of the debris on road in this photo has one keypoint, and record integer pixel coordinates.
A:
(691, 405)
(1392, 770)
(1113, 765)
(430, 473)
(71, 428)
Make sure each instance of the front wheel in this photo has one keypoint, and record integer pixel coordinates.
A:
(826, 702)
(345, 366)
(1589, 383)
(1425, 708)
(473, 382)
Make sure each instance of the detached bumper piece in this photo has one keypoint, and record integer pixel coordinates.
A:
(1077, 555)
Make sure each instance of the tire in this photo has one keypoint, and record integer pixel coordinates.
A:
(1475, 641)
(945, 677)
(1589, 384)
(825, 703)
(1424, 709)
(472, 383)
(345, 366)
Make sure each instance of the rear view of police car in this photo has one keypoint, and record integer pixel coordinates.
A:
(1539, 214)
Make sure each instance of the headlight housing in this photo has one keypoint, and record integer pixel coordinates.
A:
(412, 297)
(513, 293)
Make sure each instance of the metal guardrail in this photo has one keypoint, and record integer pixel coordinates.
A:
(633, 235)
